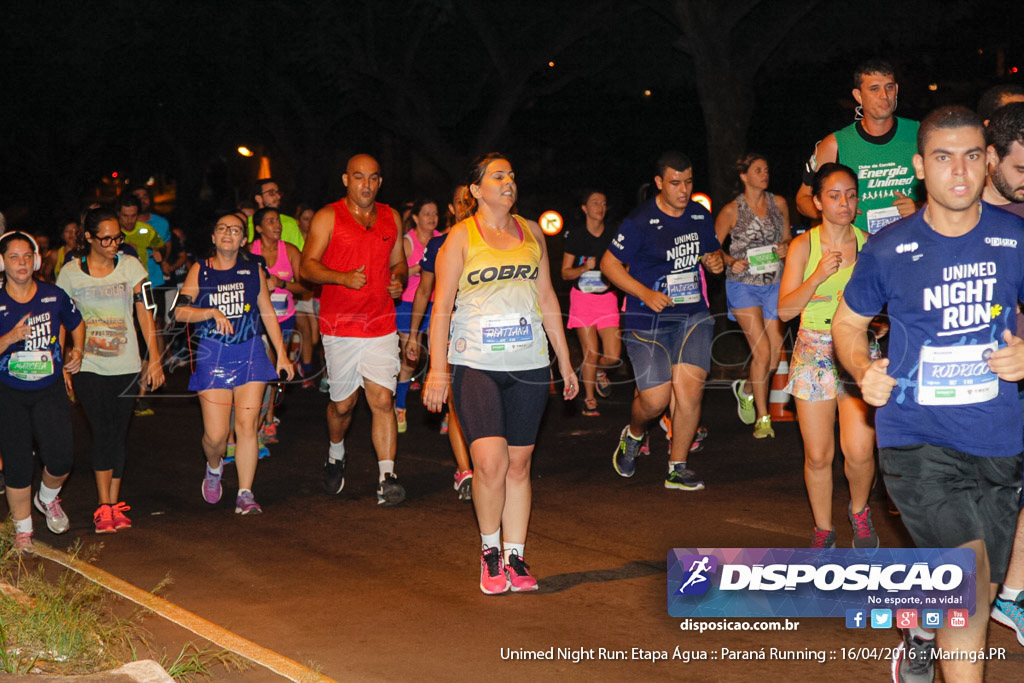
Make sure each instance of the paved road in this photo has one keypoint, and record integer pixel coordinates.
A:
(381, 594)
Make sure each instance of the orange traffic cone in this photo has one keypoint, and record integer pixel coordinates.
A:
(778, 399)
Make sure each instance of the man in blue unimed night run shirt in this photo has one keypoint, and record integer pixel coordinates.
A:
(656, 259)
(948, 419)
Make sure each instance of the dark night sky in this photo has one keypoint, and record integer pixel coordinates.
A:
(146, 88)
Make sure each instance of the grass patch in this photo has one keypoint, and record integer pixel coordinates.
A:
(62, 623)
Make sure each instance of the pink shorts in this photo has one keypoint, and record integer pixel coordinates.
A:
(592, 310)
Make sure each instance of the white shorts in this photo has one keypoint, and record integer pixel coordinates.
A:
(304, 306)
(350, 360)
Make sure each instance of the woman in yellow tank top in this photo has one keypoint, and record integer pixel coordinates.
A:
(818, 267)
(497, 265)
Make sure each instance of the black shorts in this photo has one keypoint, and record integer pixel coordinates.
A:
(500, 403)
(948, 498)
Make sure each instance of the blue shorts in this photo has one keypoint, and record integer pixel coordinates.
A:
(287, 327)
(226, 366)
(740, 295)
(653, 354)
(403, 316)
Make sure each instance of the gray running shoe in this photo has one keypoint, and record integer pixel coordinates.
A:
(913, 661)
(624, 457)
(864, 535)
(683, 479)
(334, 476)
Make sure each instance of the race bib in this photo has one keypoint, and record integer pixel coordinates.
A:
(683, 288)
(31, 366)
(280, 303)
(879, 218)
(763, 260)
(505, 333)
(591, 282)
(956, 375)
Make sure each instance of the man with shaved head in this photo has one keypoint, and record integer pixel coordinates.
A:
(355, 252)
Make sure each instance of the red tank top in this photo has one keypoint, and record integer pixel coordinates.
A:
(366, 312)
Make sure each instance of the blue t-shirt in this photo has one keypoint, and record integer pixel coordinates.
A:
(37, 361)
(949, 300)
(163, 228)
(430, 252)
(663, 253)
(235, 293)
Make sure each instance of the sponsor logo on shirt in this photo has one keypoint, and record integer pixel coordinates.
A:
(48, 300)
(1001, 242)
(907, 247)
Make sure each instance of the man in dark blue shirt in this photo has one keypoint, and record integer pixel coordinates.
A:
(949, 424)
(655, 259)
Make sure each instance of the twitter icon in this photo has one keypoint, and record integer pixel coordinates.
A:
(881, 618)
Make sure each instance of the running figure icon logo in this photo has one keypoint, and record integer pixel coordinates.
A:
(696, 581)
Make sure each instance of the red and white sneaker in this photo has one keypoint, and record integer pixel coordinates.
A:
(103, 519)
(464, 484)
(519, 574)
(493, 580)
(120, 520)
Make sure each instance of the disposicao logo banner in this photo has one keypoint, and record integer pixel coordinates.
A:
(805, 582)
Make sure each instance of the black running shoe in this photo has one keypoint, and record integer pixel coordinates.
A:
(334, 476)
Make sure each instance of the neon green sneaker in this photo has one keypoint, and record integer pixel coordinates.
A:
(744, 404)
(763, 428)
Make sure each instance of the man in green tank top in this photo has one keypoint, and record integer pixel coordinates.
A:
(879, 147)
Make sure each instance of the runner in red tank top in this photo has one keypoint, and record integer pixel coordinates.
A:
(353, 249)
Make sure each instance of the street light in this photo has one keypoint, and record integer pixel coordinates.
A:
(245, 151)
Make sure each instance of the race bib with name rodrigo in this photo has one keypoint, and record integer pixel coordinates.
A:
(956, 375)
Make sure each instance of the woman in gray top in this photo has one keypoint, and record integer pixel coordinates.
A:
(758, 223)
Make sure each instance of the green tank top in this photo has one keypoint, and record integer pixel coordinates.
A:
(882, 170)
(818, 312)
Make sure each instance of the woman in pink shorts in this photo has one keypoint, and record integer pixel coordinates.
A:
(593, 307)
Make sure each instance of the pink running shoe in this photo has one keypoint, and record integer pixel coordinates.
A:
(23, 543)
(212, 488)
(519, 574)
(464, 484)
(104, 520)
(245, 504)
(493, 580)
(120, 520)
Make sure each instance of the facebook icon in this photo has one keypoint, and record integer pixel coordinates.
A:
(856, 618)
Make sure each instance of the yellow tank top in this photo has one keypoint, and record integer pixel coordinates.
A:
(497, 324)
(817, 314)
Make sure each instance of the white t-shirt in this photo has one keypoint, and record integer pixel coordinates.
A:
(106, 305)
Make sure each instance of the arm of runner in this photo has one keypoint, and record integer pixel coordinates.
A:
(787, 228)
(269, 317)
(411, 352)
(795, 292)
(570, 273)
(1008, 361)
(904, 204)
(850, 337)
(713, 261)
(825, 152)
(295, 261)
(724, 224)
(551, 314)
(617, 274)
(447, 270)
(399, 265)
(154, 369)
(73, 358)
(17, 334)
(185, 312)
